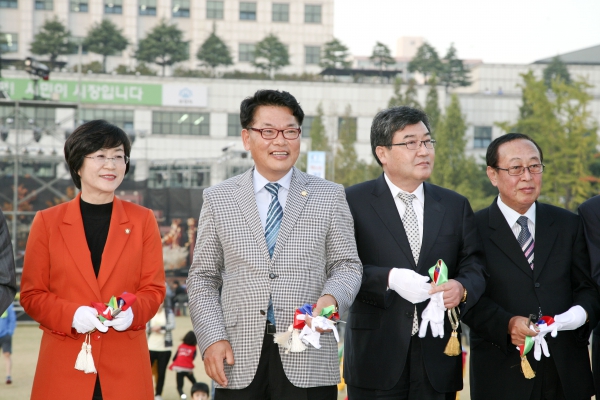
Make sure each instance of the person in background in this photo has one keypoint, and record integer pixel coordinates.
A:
(160, 343)
(88, 250)
(200, 391)
(8, 322)
(8, 281)
(183, 361)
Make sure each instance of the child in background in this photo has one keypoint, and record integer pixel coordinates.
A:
(183, 362)
(200, 391)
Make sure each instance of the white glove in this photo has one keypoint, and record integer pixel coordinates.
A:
(86, 320)
(434, 315)
(122, 321)
(410, 285)
(571, 319)
(539, 342)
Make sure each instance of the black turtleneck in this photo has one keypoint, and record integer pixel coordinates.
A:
(96, 221)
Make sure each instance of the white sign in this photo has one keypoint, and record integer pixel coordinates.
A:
(184, 95)
(316, 163)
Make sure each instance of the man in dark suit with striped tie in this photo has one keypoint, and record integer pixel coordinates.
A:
(538, 264)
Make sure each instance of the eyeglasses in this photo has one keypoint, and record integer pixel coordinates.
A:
(100, 160)
(518, 170)
(271, 133)
(415, 144)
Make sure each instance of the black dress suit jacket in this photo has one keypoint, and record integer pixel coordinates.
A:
(559, 280)
(380, 321)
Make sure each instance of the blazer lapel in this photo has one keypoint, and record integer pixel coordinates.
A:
(293, 209)
(503, 237)
(545, 236)
(385, 207)
(118, 235)
(73, 235)
(246, 200)
(433, 217)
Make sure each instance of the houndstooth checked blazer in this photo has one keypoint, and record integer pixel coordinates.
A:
(315, 254)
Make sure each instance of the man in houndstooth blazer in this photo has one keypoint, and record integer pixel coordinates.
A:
(314, 261)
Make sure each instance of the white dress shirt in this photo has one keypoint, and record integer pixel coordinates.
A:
(263, 197)
(418, 203)
(512, 216)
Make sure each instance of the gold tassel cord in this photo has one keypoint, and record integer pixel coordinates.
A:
(526, 367)
(453, 347)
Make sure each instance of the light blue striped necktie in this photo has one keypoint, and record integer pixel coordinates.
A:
(274, 216)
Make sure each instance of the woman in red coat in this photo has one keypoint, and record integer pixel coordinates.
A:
(88, 250)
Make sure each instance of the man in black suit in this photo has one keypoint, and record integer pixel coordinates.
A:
(402, 227)
(590, 214)
(537, 264)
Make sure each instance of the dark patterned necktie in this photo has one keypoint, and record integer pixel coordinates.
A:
(526, 240)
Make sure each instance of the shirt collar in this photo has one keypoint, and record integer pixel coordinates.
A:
(512, 216)
(260, 181)
(419, 191)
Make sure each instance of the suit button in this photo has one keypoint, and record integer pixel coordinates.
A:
(262, 312)
(409, 314)
(273, 276)
(537, 284)
(96, 336)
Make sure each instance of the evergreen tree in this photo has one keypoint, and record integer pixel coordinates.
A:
(381, 56)
(432, 108)
(409, 98)
(453, 73)
(319, 140)
(561, 122)
(163, 46)
(426, 61)
(335, 55)
(347, 167)
(52, 39)
(556, 70)
(105, 39)
(214, 52)
(270, 55)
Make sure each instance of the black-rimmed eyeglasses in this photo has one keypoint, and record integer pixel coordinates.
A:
(415, 144)
(519, 170)
(271, 133)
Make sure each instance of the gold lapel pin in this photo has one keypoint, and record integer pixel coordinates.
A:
(304, 193)
(127, 231)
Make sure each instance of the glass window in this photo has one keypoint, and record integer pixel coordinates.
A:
(113, 6)
(41, 117)
(312, 14)
(246, 53)
(180, 123)
(281, 12)
(349, 122)
(233, 125)
(248, 11)
(482, 137)
(162, 176)
(78, 6)
(121, 118)
(10, 44)
(312, 55)
(9, 4)
(44, 5)
(214, 9)
(181, 8)
(147, 7)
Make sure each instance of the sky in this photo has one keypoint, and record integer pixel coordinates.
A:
(508, 31)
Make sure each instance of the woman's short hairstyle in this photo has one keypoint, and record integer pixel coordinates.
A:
(89, 138)
(190, 339)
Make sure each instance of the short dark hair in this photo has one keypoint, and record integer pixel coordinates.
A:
(190, 339)
(491, 156)
(89, 138)
(391, 120)
(268, 98)
(200, 387)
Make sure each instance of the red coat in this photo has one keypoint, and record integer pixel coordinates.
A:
(58, 277)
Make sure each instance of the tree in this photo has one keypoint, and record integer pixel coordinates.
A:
(163, 45)
(432, 108)
(381, 56)
(560, 121)
(409, 98)
(3, 42)
(556, 70)
(335, 55)
(319, 140)
(426, 61)
(53, 39)
(453, 72)
(214, 52)
(270, 55)
(105, 39)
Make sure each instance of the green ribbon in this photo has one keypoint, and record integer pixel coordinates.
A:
(327, 311)
(526, 348)
(442, 273)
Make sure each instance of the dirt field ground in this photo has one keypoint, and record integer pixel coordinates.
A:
(26, 343)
